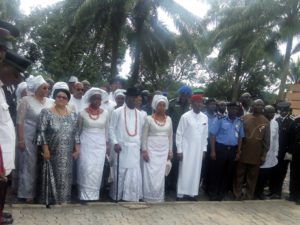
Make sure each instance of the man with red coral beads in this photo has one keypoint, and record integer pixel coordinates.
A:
(125, 135)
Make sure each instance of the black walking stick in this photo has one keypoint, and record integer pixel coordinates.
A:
(118, 164)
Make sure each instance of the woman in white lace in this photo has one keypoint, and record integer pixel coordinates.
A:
(94, 141)
(157, 149)
(27, 118)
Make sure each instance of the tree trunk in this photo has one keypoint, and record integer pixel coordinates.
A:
(236, 84)
(285, 68)
(139, 20)
(117, 22)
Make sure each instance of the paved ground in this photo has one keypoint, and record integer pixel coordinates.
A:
(267, 212)
(231, 213)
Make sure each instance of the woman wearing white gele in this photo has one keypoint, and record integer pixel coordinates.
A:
(157, 149)
(27, 117)
(94, 124)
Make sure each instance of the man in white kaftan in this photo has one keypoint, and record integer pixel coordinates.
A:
(77, 101)
(191, 142)
(125, 135)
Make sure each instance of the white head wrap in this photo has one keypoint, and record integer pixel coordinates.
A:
(93, 91)
(157, 99)
(59, 85)
(21, 87)
(119, 92)
(33, 83)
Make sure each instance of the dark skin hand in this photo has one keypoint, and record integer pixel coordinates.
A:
(117, 148)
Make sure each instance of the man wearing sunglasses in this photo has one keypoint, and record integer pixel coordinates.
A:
(76, 100)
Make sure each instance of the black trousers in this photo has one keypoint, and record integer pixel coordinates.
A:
(206, 164)
(3, 188)
(278, 174)
(222, 171)
(171, 179)
(262, 181)
(295, 178)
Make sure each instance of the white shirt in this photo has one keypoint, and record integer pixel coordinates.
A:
(125, 129)
(271, 158)
(77, 104)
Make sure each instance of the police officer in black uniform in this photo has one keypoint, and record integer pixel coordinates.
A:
(295, 164)
(278, 173)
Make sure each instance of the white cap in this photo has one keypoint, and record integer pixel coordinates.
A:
(73, 79)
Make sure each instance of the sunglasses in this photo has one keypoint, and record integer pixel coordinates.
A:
(61, 97)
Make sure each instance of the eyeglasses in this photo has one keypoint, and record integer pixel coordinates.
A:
(61, 97)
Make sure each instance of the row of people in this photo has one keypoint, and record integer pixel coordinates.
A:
(60, 130)
(226, 135)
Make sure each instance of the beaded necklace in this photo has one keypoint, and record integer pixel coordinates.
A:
(94, 114)
(159, 123)
(135, 123)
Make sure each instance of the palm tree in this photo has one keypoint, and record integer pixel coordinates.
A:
(273, 22)
(294, 71)
(244, 41)
(120, 23)
(9, 10)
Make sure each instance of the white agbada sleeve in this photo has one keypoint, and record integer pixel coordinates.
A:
(113, 127)
(180, 132)
(205, 135)
(276, 137)
(171, 136)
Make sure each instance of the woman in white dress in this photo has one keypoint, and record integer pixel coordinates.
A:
(94, 124)
(157, 149)
(27, 118)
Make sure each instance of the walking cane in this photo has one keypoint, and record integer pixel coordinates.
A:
(117, 191)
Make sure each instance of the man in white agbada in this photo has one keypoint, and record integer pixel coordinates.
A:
(125, 133)
(191, 142)
(76, 101)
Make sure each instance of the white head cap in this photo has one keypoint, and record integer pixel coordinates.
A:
(119, 92)
(73, 79)
(157, 99)
(59, 85)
